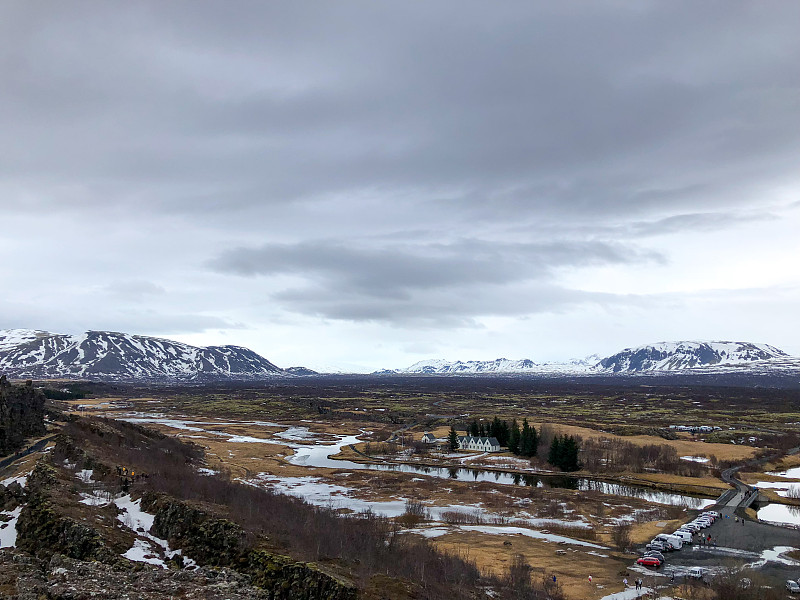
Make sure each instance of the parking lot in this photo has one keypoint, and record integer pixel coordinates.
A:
(735, 544)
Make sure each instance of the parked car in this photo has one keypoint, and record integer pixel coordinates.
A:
(655, 546)
(691, 527)
(655, 553)
(696, 572)
(652, 561)
(790, 585)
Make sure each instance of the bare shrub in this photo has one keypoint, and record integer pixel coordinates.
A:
(415, 513)
(367, 542)
(621, 535)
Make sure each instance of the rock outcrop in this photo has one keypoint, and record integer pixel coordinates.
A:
(210, 540)
(21, 415)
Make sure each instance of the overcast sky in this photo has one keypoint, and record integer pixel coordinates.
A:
(358, 185)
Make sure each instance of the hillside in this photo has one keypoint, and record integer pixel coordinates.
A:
(21, 415)
(664, 357)
(106, 355)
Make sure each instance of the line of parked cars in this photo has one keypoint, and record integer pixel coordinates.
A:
(667, 542)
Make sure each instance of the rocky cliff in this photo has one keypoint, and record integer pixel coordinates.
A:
(219, 542)
(21, 415)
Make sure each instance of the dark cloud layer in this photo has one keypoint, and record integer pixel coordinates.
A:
(419, 282)
(393, 162)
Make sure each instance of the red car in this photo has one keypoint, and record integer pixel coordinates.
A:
(649, 561)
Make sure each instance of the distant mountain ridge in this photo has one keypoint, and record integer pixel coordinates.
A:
(674, 356)
(108, 355)
(499, 365)
(655, 358)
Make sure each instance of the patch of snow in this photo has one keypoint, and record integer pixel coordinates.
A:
(697, 459)
(20, 479)
(775, 554)
(793, 473)
(630, 594)
(142, 551)
(8, 530)
(85, 475)
(132, 515)
(97, 498)
(500, 530)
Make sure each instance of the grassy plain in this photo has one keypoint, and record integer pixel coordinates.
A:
(332, 407)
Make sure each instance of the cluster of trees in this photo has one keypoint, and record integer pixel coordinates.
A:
(494, 428)
(526, 440)
(564, 453)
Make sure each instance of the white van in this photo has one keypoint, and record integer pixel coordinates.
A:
(686, 536)
(675, 541)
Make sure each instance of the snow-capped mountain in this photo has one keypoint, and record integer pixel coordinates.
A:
(500, 366)
(664, 357)
(119, 356)
(678, 356)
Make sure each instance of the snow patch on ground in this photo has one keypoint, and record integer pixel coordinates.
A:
(85, 476)
(142, 551)
(140, 521)
(8, 530)
(775, 554)
(631, 594)
(433, 532)
(697, 459)
(20, 479)
(793, 473)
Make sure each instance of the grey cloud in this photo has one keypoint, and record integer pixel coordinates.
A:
(249, 108)
(697, 222)
(443, 310)
(134, 289)
(425, 281)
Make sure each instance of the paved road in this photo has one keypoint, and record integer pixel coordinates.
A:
(37, 447)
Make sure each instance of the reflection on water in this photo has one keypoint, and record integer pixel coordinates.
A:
(318, 455)
(780, 513)
(548, 481)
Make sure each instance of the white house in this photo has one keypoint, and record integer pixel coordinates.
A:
(479, 444)
(428, 438)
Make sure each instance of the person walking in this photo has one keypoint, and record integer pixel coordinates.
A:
(625, 583)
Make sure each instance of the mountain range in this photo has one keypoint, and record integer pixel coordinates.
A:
(107, 355)
(112, 356)
(663, 357)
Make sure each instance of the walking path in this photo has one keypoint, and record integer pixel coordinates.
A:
(37, 447)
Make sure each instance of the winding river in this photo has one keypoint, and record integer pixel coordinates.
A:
(319, 455)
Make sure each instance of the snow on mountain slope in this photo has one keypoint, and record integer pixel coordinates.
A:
(677, 356)
(673, 357)
(121, 356)
(499, 366)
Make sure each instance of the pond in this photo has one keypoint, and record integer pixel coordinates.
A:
(780, 513)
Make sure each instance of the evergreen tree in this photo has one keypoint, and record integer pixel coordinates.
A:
(554, 457)
(452, 439)
(481, 430)
(494, 429)
(514, 438)
(529, 439)
(569, 454)
(473, 429)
